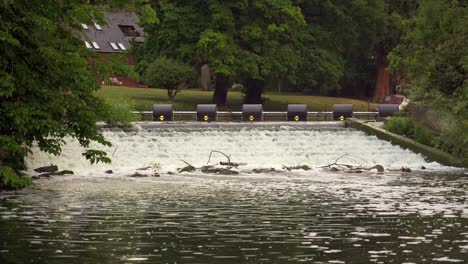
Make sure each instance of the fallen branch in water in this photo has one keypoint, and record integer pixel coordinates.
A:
(188, 168)
(335, 166)
(216, 151)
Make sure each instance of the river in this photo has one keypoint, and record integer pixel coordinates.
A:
(314, 216)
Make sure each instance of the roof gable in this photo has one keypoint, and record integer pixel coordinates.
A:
(104, 35)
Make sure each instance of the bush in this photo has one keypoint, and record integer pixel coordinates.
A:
(401, 126)
(119, 111)
(422, 135)
(169, 74)
(454, 139)
(12, 181)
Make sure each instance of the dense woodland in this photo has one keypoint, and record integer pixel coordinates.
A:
(331, 47)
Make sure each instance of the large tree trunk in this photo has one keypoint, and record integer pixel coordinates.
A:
(382, 86)
(221, 90)
(254, 90)
(205, 74)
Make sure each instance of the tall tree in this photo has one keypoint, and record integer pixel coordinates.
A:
(240, 40)
(433, 55)
(338, 44)
(46, 85)
(395, 10)
(250, 41)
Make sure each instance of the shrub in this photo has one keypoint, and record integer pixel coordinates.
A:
(169, 74)
(401, 126)
(10, 180)
(119, 111)
(454, 139)
(422, 135)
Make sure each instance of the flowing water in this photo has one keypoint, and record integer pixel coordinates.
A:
(311, 216)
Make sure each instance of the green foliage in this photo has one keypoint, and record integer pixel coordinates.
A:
(454, 139)
(12, 181)
(117, 64)
(47, 86)
(401, 126)
(433, 55)
(422, 135)
(119, 111)
(311, 45)
(433, 58)
(405, 126)
(169, 74)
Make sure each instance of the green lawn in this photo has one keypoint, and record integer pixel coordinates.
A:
(187, 100)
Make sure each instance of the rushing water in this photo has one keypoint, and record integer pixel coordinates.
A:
(270, 147)
(285, 217)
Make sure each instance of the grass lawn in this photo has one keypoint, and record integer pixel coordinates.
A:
(187, 100)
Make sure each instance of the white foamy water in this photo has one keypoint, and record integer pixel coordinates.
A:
(258, 147)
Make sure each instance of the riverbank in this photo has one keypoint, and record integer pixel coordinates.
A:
(432, 154)
(145, 98)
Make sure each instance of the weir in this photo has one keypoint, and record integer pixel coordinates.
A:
(256, 113)
(259, 145)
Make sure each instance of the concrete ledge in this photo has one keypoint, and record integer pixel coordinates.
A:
(237, 125)
(431, 154)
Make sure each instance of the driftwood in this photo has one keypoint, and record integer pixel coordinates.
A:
(216, 151)
(226, 170)
(298, 167)
(47, 169)
(271, 170)
(188, 168)
(336, 166)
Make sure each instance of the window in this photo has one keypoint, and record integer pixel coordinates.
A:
(129, 31)
(122, 47)
(114, 46)
(97, 26)
(95, 45)
(84, 26)
(88, 45)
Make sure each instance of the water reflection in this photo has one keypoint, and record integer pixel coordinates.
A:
(319, 218)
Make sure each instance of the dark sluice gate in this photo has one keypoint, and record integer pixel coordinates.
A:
(297, 112)
(252, 112)
(386, 110)
(163, 112)
(342, 111)
(207, 112)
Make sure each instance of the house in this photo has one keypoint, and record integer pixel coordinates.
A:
(116, 37)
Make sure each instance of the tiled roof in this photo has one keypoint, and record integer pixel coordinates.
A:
(112, 33)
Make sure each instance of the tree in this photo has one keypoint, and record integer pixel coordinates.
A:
(433, 57)
(395, 10)
(239, 40)
(337, 46)
(46, 85)
(169, 74)
(250, 41)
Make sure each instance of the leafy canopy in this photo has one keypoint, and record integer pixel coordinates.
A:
(46, 84)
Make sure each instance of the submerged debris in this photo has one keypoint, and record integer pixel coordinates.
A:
(141, 175)
(218, 170)
(188, 168)
(405, 169)
(299, 167)
(56, 173)
(336, 166)
(264, 170)
(47, 169)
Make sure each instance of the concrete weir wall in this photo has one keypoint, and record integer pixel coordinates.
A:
(431, 154)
